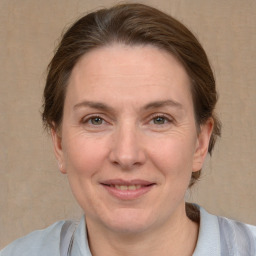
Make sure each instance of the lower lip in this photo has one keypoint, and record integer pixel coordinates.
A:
(128, 194)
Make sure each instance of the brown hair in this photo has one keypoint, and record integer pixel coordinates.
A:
(131, 24)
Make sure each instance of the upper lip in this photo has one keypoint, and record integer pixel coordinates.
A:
(127, 182)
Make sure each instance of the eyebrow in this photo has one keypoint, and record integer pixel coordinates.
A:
(151, 105)
(168, 103)
(96, 105)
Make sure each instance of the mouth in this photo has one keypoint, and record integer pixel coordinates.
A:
(127, 190)
(125, 187)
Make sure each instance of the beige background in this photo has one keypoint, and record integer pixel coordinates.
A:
(33, 194)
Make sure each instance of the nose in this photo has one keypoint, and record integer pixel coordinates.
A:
(127, 150)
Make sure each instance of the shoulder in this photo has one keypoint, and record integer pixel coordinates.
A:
(223, 236)
(237, 237)
(40, 242)
(229, 226)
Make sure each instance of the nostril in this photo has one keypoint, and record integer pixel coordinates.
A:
(127, 158)
(115, 163)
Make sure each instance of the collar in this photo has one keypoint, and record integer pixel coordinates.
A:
(208, 242)
(80, 244)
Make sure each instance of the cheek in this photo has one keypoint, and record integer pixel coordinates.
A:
(84, 159)
(174, 159)
(84, 156)
(172, 154)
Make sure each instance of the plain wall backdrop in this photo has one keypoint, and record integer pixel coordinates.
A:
(34, 194)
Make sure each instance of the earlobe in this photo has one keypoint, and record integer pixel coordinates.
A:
(57, 144)
(203, 140)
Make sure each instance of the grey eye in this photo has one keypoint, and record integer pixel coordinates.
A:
(159, 120)
(96, 121)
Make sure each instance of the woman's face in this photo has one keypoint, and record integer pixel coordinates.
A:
(128, 141)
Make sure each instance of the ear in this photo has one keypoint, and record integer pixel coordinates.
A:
(57, 144)
(202, 144)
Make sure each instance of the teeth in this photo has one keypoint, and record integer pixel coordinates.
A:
(124, 187)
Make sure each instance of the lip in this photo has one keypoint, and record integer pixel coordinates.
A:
(139, 188)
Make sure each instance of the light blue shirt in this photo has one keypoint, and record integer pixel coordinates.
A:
(218, 236)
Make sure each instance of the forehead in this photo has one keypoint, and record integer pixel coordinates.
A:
(128, 72)
(126, 59)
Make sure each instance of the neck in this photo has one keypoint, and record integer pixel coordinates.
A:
(168, 239)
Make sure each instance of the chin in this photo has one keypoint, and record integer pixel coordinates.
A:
(129, 227)
(128, 221)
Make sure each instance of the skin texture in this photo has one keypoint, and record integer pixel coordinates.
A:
(128, 115)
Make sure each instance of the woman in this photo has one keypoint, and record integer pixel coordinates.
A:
(129, 100)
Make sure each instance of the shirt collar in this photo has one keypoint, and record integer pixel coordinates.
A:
(80, 244)
(208, 242)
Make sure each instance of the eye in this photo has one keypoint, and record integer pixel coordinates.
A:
(159, 120)
(96, 123)
(95, 120)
